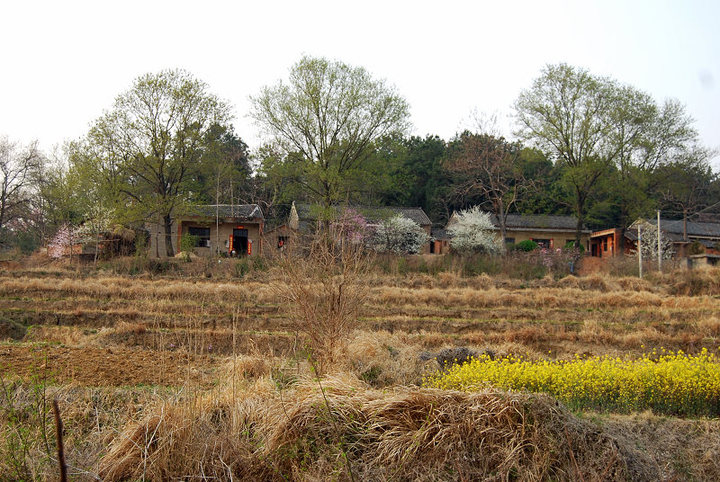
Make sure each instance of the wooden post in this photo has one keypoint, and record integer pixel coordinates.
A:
(60, 447)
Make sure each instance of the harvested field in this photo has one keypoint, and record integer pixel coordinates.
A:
(221, 364)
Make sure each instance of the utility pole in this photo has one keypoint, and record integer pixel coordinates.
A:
(639, 250)
(659, 246)
(217, 214)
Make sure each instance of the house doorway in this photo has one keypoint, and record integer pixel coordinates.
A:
(240, 241)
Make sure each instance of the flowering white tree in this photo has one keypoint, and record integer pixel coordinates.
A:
(474, 232)
(399, 235)
(649, 243)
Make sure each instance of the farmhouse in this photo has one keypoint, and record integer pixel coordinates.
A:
(548, 231)
(303, 218)
(682, 235)
(232, 229)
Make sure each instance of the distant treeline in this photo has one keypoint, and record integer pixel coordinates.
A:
(585, 145)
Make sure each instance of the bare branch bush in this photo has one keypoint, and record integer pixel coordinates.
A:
(323, 287)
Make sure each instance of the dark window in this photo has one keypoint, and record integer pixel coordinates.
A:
(282, 241)
(203, 236)
(509, 240)
(543, 243)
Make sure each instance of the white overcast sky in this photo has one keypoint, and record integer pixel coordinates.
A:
(63, 62)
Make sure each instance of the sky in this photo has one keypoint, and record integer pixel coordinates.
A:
(64, 62)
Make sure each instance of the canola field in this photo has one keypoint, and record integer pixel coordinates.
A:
(666, 382)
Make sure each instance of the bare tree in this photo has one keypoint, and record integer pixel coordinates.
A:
(18, 165)
(488, 166)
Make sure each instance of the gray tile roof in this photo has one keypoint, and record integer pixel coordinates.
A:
(540, 221)
(440, 234)
(673, 230)
(706, 230)
(307, 212)
(236, 211)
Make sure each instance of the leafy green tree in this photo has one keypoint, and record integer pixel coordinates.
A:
(324, 122)
(223, 172)
(565, 113)
(545, 195)
(149, 144)
(427, 181)
(608, 140)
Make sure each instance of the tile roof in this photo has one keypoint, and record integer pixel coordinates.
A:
(540, 221)
(307, 212)
(237, 211)
(673, 230)
(693, 228)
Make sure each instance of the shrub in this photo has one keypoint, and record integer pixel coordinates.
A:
(324, 290)
(527, 245)
(696, 248)
(187, 243)
(570, 245)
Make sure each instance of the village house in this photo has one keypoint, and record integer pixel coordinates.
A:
(548, 231)
(225, 229)
(682, 235)
(303, 218)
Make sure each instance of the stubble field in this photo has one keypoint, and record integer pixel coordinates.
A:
(172, 377)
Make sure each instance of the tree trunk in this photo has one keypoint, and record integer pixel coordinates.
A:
(580, 211)
(167, 221)
(502, 218)
(578, 231)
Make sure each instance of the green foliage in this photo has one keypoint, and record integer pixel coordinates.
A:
(148, 148)
(610, 141)
(324, 123)
(574, 245)
(188, 242)
(242, 267)
(526, 245)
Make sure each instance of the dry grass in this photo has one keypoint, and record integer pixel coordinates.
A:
(404, 435)
(266, 419)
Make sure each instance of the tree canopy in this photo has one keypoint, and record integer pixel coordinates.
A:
(151, 141)
(325, 120)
